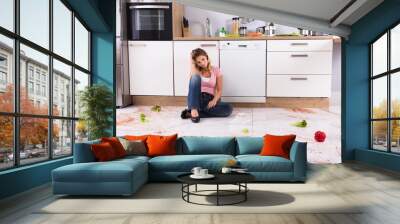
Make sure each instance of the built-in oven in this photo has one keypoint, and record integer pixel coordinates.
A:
(150, 21)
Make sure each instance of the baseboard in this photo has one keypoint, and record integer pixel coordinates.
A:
(284, 102)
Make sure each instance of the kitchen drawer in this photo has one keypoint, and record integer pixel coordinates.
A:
(305, 63)
(298, 86)
(299, 45)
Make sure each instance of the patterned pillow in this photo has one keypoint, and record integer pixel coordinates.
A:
(137, 147)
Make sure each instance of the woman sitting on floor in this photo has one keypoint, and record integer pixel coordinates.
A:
(205, 90)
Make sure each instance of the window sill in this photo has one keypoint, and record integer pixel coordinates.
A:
(25, 167)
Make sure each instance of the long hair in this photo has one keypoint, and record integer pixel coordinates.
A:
(200, 52)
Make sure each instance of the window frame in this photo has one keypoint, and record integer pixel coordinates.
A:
(388, 74)
(16, 114)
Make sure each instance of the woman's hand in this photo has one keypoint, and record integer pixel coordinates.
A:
(211, 103)
(193, 69)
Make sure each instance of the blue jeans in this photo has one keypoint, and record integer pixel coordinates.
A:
(199, 100)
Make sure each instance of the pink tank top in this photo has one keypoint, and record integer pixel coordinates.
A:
(208, 84)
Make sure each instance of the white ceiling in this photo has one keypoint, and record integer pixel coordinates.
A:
(321, 9)
(310, 14)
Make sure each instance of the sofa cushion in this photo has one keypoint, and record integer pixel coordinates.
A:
(197, 145)
(136, 147)
(112, 171)
(103, 152)
(257, 163)
(249, 145)
(83, 152)
(116, 145)
(159, 145)
(277, 145)
(185, 163)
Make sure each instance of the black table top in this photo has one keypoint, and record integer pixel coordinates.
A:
(220, 178)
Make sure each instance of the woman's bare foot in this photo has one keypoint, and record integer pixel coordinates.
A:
(195, 116)
(194, 113)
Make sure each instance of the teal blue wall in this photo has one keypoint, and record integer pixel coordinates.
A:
(356, 103)
(24, 178)
(103, 64)
(99, 16)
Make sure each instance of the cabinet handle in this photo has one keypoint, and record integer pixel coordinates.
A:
(298, 78)
(299, 55)
(242, 45)
(149, 7)
(138, 45)
(298, 44)
(208, 45)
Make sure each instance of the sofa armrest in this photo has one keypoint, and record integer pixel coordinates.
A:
(83, 152)
(298, 155)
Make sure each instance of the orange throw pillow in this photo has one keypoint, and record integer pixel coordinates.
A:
(116, 145)
(161, 145)
(103, 151)
(275, 145)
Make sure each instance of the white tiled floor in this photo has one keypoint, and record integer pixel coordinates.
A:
(243, 122)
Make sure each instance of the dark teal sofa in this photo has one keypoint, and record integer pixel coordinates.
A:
(125, 176)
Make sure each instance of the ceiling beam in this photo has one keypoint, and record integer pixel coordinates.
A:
(347, 11)
(269, 15)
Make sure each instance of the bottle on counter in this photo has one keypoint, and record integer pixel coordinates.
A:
(271, 29)
(208, 28)
(222, 32)
(235, 26)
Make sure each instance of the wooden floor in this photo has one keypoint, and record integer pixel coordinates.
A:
(377, 188)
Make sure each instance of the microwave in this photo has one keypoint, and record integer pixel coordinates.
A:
(150, 21)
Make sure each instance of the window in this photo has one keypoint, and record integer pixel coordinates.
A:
(81, 81)
(6, 142)
(3, 61)
(6, 73)
(33, 143)
(37, 74)
(37, 89)
(35, 21)
(62, 137)
(30, 87)
(385, 94)
(7, 14)
(62, 74)
(3, 72)
(44, 91)
(44, 115)
(81, 45)
(3, 78)
(30, 72)
(62, 30)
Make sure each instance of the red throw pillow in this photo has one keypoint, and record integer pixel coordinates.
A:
(161, 145)
(103, 151)
(116, 145)
(277, 145)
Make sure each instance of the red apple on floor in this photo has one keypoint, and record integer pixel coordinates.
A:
(319, 136)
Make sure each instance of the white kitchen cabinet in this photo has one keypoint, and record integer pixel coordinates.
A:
(304, 63)
(299, 68)
(299, 85)
(182, 60)
(243, 68)
(151, 68)
(299, 45)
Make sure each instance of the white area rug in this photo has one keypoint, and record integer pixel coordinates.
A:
(166, 198)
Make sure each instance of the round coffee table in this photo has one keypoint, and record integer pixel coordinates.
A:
(238, 179)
